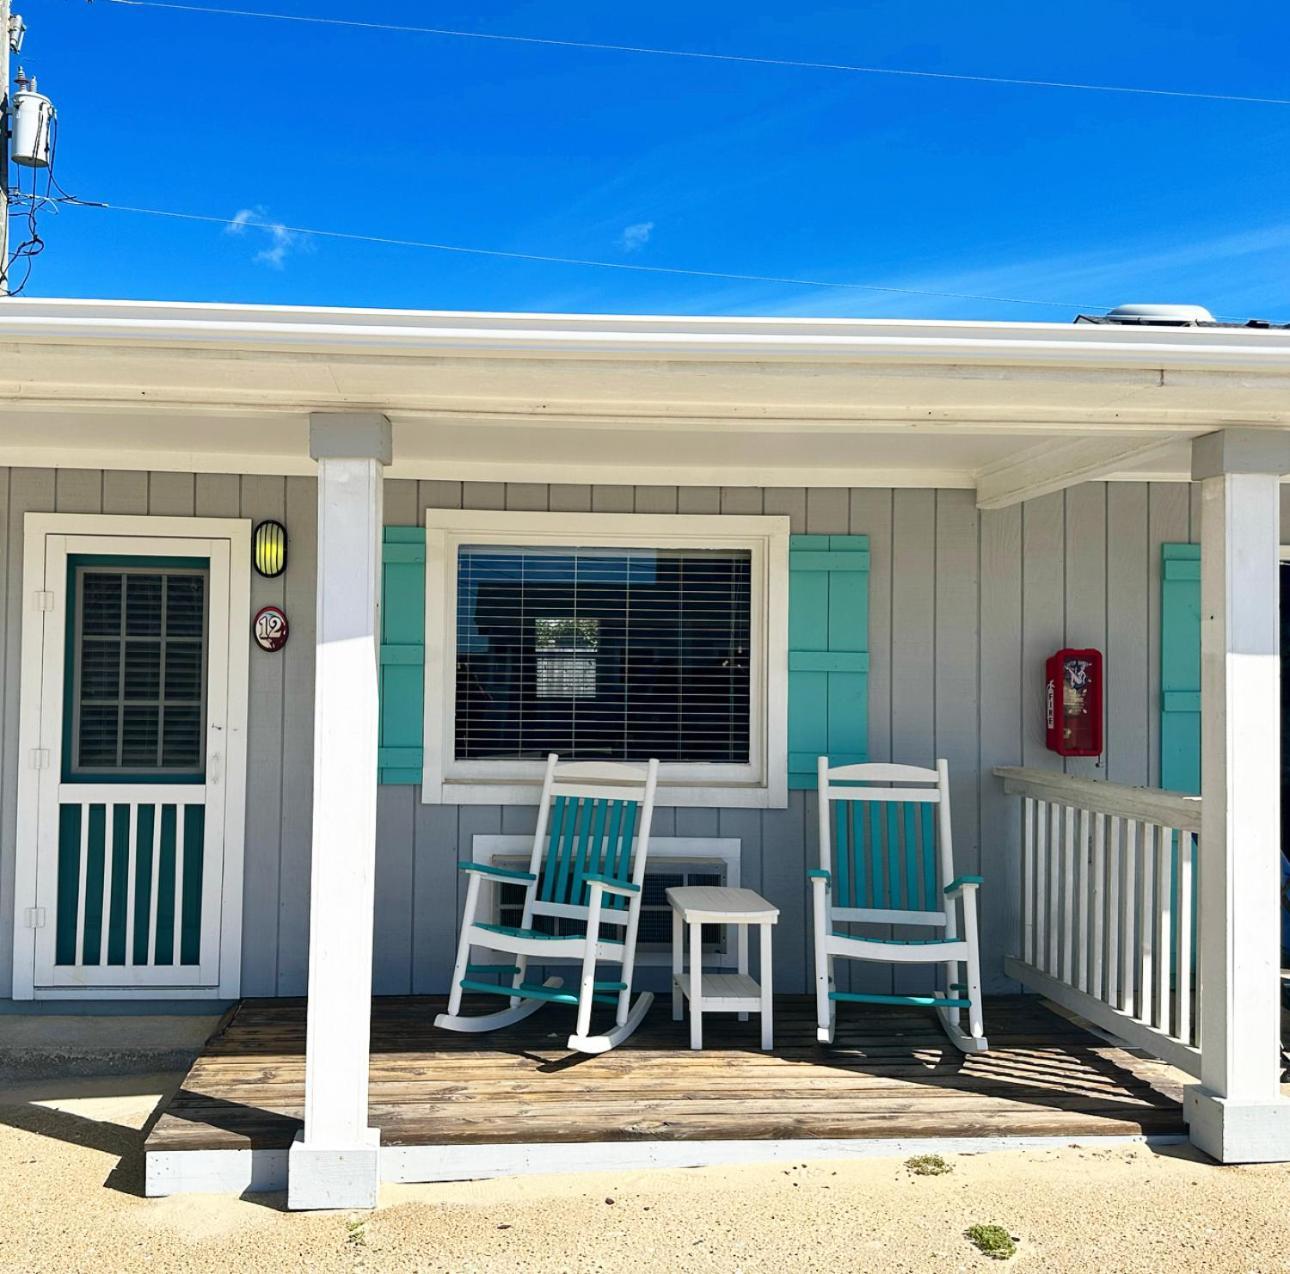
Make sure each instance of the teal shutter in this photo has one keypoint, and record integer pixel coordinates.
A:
(403, 653)
(1180, 667)
(828, 653)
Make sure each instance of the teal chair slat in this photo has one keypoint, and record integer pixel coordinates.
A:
(885, 856)
(588, 836)
(592, 823)
(565, 850)
(842, 858)
(555, 831)
(623, 858)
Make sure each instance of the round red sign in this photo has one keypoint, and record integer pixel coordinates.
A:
(270, 628)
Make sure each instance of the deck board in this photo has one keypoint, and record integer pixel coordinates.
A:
(891, 1073)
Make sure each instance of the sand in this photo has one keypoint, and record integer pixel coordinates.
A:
(71, 1173)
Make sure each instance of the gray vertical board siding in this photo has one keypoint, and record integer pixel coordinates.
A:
(263, 497)
(1043, 617)
(174, 494)
(958, 665)
(1086, 587)
(298, 735)
(1128, 647)
(78, 491)
(531, 496)
(870, 513)
(963, 610)
(648, 499)
(435, 911)
(1000, 739)
(125, 491)
(569, 497)
(699, 500)
(612, 499)
(913, 661)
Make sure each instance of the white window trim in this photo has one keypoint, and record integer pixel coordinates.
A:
(679, 851)
(762, 784)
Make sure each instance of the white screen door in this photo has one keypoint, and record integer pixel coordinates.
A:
(138, 722)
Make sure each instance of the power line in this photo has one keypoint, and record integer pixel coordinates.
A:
(276, 227)
(693, 54)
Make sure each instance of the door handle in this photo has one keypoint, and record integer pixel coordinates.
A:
(213, 768)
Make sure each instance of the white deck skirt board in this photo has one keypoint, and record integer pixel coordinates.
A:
(260, 1171)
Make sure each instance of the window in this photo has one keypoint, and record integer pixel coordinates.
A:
(604, 638)
(603, 654)
(138, 671)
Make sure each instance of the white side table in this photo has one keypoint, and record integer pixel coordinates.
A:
(699, 905)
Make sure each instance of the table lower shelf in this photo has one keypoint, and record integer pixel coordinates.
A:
(724, 992)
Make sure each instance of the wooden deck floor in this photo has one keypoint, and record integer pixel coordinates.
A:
(891, 1074)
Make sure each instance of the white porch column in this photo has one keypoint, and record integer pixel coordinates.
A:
(334, 1163)
(1237, 1113)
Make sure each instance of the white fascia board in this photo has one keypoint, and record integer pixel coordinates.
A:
(263, 328)
(1055, 465)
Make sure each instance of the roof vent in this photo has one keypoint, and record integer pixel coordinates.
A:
(1160, 315)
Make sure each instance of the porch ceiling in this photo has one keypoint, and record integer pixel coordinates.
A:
(1007, 409)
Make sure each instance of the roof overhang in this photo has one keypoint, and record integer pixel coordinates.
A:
(1009, 409)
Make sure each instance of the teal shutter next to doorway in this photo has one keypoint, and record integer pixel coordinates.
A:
(403, 654)
(828, 653)
(1180, 667)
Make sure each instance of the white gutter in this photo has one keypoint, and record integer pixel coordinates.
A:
(345, 332)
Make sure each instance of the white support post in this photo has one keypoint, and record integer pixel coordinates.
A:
(334, 1163)
(1237, 1113)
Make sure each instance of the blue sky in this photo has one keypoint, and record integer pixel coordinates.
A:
(1085, 199)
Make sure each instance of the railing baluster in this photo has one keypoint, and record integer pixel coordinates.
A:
(1041, 882)
(1070, 848)
(1054, 892)
(1147, 926)
(1164, 905)
(1028, 879)
(1082, 902)
(1129, 947)
(1097, 904)
(1183, 980)
(1113, 870)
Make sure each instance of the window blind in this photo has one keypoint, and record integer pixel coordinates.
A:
(603, 653)
(139, 671)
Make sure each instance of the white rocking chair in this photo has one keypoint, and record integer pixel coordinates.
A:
(583, 870)
(885, 858)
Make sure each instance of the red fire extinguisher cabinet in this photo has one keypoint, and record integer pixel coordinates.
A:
(1074, 702)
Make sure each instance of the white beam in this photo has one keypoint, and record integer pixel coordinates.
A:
(335, 1161)
(1237, 1113)
(1053, 466)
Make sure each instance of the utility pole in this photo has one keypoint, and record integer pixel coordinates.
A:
(6, 48)
(26, 128)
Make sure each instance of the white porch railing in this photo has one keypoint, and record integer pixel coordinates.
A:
(1108, 907)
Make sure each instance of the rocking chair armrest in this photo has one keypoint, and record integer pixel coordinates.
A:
(501, 873)
(819, 873)
(960, 883)
(625, 888)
